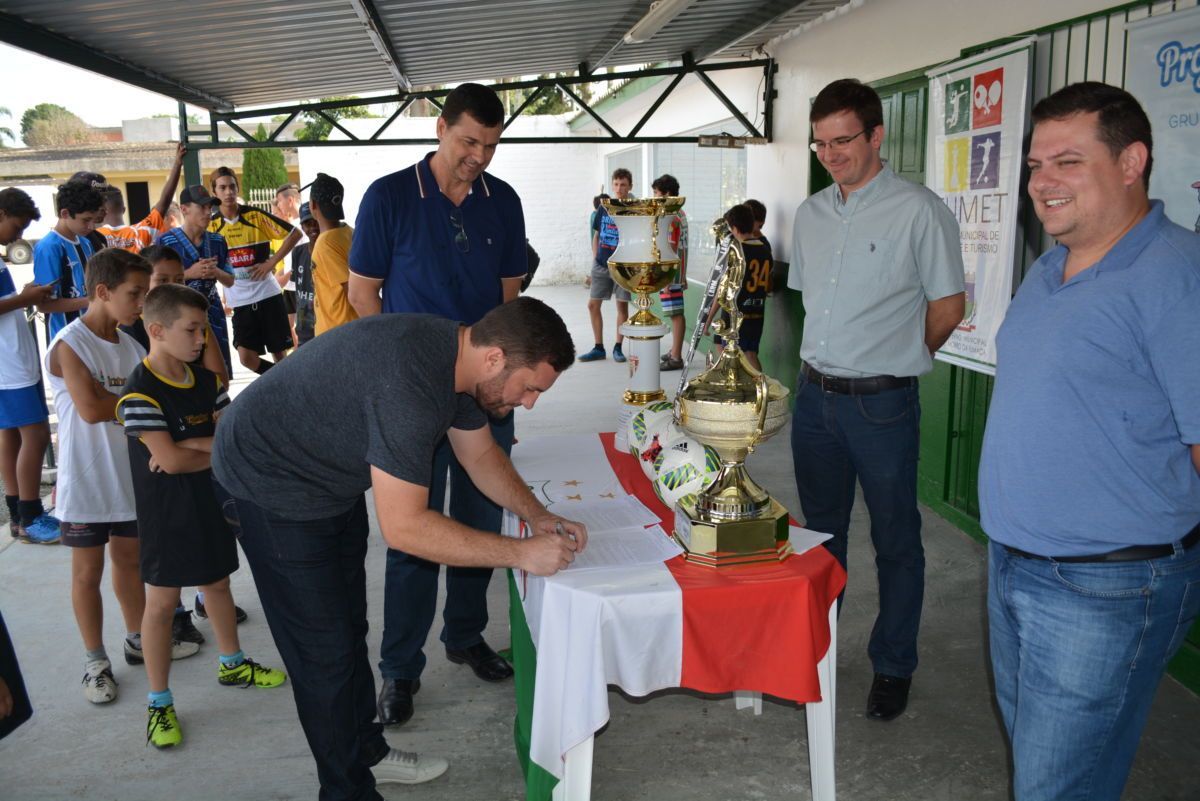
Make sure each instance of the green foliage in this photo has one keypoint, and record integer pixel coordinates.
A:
(6, 133)
(262, 168)
(316, 128)
(42, 111)
(550, 101)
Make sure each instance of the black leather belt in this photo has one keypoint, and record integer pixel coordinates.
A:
(871, 385)
(1135, 553)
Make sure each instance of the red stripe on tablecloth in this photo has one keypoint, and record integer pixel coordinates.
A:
(757, 627)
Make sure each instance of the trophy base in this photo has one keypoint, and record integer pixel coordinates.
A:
(635, 398)
(727, 543)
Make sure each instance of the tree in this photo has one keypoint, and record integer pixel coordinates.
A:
(551, 101)
(41, 111)
(262, 167)
(51, 125)
(316, 128)
(6, 133)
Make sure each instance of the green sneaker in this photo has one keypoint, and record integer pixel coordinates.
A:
(250, 674)
(162, 729)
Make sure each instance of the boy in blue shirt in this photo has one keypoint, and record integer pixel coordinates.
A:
(59, 257)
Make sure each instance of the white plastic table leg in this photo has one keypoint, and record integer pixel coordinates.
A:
(747, 698)
(821, 717)
(576, 784)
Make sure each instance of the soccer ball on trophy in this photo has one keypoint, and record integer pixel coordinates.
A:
(658, 438)
(684, 468)
(645, 423)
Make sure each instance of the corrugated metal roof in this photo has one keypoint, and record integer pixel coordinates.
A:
(238, 53)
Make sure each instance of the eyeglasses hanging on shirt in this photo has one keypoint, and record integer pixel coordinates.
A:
(460, 239)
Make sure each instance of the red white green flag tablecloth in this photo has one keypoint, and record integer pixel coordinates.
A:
(761, 628)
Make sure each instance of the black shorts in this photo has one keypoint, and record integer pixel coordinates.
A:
(289, 301)
(187, 539)
(89, 535)
(262, 326)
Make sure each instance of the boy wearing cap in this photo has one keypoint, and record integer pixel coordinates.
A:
(302, 275)
(205, 258)
(330, 254)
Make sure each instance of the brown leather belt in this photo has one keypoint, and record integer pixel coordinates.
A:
(1135, 553)
(870, 385)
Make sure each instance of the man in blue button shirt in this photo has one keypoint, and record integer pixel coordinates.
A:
(1089, 486)
(879, 262)
(441, 237)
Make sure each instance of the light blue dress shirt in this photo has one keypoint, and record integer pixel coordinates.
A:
(1097, 400)
(868, 266)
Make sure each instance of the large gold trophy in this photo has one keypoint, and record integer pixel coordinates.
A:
(731, 407)
(646, 259)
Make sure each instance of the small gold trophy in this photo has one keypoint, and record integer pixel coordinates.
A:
(645, 261)
(731, 407)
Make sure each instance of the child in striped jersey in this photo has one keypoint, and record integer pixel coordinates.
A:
(169, 410)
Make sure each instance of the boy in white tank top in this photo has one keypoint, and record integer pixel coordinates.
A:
(86, 366)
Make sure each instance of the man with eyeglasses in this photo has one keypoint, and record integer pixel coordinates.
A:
(441, 237)
(880, 265)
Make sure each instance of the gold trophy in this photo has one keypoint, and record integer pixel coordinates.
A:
(731, 407)
(644, 262)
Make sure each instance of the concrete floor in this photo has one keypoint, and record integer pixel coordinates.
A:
(675, 746)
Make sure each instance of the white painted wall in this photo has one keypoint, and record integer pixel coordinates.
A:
(871, 40)
(556, 182)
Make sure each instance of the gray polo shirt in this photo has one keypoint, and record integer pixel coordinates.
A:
(868, 266)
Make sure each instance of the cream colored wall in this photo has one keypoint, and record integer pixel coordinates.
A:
(878, 39)
(871, 40)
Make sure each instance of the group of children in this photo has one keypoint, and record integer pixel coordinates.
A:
(138, 388)
(745, 223)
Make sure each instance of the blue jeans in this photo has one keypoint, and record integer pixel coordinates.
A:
(220, 329)
(410, 591)
(1078, 651)
(874, 439)
(313, 586)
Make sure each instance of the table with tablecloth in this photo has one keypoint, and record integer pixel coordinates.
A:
(753, 629)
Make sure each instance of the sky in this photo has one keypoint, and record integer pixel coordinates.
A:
(100, 101)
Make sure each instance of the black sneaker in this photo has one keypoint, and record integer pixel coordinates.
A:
(239, 612)
(184, 630)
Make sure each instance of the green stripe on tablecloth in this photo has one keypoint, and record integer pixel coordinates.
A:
(539, 784)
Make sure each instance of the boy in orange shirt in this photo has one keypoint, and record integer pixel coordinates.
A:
(330, 254)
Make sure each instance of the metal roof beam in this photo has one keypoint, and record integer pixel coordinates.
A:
(379, 36)
(19, 33)
(762, 15)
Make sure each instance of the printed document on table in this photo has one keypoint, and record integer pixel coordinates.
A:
(626, 547)
(615, 514)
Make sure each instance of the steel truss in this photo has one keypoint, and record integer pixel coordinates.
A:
(207, 137)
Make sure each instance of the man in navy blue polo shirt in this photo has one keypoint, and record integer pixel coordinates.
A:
(441, 237)
(1089, 486)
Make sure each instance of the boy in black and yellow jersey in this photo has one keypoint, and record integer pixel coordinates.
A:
(756, 283)
(169, 409)
(260, 321)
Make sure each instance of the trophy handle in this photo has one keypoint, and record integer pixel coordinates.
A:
(760, 400)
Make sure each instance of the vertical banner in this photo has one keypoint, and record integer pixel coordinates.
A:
(978, 113)
(1162, 70)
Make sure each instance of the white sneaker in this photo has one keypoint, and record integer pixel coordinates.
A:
(180, 649)
(99, 686)
(405, 767)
